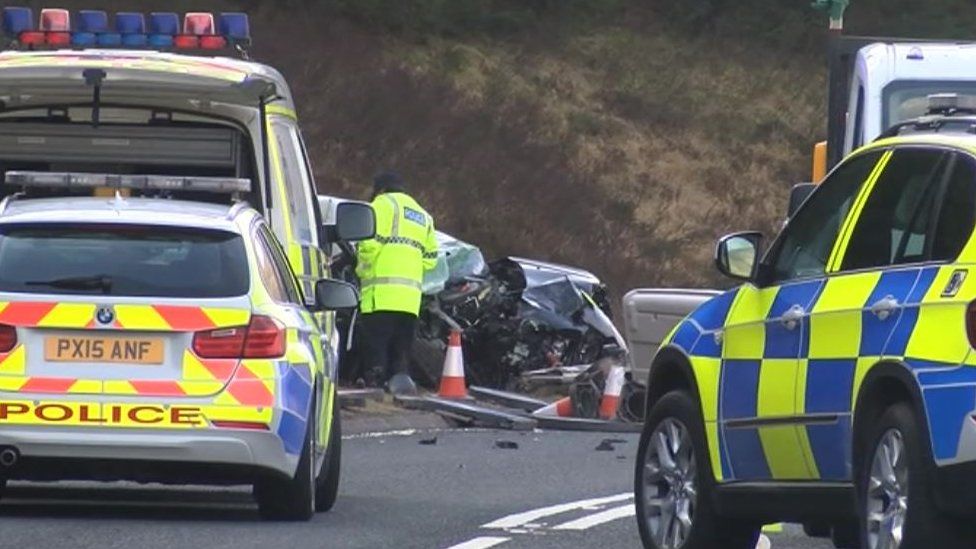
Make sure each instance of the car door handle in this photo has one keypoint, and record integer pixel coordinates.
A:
(792, 317)
(883, 307)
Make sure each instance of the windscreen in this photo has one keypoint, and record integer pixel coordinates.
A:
(908, 99)
(122, 260)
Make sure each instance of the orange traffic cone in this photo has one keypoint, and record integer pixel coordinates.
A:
(561, 408)
(610, 402)
(452, 379)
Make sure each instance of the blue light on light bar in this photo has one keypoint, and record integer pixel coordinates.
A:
(164, 23)
(109, 39)
(92, 21)
(83, 39)
(130, 23)
(234, 26)
(17, 20)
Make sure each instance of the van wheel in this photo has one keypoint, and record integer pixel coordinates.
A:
(895, 489)
(327, 483)
(290, 499)
(673, 483)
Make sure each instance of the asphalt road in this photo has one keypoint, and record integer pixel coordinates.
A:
(554, 490)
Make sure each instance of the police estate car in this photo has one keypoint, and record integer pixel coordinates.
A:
(837, 385)
(162, 340)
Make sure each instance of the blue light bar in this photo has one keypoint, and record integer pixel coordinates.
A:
(83, 39)
(130, 23)
(109, 39)
(164, 23)
(234, 26)
(92, 21)
(17, 20)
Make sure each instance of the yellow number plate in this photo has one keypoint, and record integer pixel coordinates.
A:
(130, 350)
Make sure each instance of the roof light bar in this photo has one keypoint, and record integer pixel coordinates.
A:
(945, 102)
(132, 27)
(147, 182)
(234, 26)
(162, 27)
(92, 21)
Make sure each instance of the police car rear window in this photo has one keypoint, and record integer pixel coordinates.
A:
(122, 260)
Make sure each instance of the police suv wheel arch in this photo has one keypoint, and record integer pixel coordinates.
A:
(670, 370)
(869, 406)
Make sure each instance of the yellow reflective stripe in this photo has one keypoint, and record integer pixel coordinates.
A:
(86, 386)
(15, 363)
(227, 317)
(140, 317)
(806, 450)
(707, 373)
(745, 328)
(835, 322)
(119, 387)
(395, 231)
(781, 445)
(847, 227)
(931, 339)
(282, 111)
(861, 369)
(714, 450)
(68, 315)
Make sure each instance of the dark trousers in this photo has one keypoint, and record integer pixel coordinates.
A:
(387, 341)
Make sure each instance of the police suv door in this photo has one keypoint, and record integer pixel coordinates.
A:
(767, 332)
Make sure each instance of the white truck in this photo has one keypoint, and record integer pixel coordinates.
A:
(874, 84)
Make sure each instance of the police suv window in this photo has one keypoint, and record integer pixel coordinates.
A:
(267, 270)
(296, 181)
(957, 213)
(804, 246)
(893, 227)
(280, 266)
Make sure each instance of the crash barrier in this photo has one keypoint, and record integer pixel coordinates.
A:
(452, 380)
(610, 403)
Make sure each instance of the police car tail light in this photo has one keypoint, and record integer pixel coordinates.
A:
(265, 338)
(262, 338)
(971, 324)
(8, 338)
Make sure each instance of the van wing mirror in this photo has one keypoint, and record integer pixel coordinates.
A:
(798, 195)
(335, 295)
(354, 221)
(737, 255)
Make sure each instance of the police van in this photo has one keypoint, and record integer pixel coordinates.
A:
(160, 106)
(836, 386)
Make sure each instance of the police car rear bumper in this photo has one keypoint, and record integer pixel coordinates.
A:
(260, 451)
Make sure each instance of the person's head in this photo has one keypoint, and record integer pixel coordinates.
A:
(388, 182)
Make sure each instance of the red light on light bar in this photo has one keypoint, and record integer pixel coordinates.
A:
(59, 39)
(199, 23)
(252, 425)
(32, 38)
(56, 20)
(186, 41)
(212, 42)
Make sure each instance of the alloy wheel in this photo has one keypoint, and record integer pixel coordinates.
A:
(670, 484)
(887, 492)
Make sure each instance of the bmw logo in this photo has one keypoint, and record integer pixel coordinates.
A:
(104, 315)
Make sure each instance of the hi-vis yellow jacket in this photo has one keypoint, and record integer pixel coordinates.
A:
(391, 266)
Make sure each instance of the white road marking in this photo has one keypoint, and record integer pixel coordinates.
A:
(401, 433)
(522, 519)
(597, 519)
(480, 543)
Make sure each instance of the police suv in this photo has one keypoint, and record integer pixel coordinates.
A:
(837, 385)
(152, 325)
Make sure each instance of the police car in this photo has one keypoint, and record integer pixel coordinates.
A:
(163, 340)
(837, 385)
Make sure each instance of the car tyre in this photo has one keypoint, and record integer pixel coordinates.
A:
(895, 489)
(674, 484)
(290, 499)
(327, 483)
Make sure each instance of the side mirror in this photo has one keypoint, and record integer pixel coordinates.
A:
(737, 255)
(355, 221)
(799, 195)
(335, 295)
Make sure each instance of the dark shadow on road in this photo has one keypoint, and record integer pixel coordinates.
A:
(135, 503)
